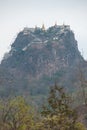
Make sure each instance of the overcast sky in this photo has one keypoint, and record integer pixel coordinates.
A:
(17, 14)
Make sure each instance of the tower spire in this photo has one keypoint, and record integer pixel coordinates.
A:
(35, 27)
(55, 23)
(43, 27)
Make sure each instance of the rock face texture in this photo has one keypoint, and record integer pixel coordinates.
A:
(40, 57)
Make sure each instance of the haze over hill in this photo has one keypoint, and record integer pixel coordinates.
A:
(38, 58)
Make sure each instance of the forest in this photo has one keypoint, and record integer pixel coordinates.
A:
(57, 113)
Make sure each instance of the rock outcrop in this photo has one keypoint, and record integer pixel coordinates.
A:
(40, 57)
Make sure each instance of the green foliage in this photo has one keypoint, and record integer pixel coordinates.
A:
(58, 115)
(57, 123)
(79, 126)
(15, 114)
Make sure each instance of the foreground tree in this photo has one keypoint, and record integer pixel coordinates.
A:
(58, 114)
(15, 114)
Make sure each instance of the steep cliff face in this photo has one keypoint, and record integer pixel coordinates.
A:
(38, 56)
(38, 52)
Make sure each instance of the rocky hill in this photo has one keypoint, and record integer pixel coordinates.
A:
(40, 57)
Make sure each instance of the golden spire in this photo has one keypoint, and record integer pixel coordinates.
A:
(43, 27)
(55, 23)
(35, 27)
(63, 24)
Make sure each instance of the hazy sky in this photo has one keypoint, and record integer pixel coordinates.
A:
(16, 14)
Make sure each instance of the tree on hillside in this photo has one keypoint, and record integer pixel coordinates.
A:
(58, 114)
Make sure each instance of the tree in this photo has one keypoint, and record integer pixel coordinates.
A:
(15, 114)
(58, 114)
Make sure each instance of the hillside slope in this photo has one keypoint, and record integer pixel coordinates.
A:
(38, 58)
